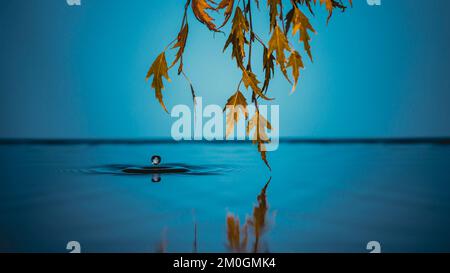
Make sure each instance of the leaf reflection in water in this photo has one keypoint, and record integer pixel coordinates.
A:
(256, 223)
(162, 246)
(237, 236)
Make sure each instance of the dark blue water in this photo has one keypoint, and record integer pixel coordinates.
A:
(321, 198)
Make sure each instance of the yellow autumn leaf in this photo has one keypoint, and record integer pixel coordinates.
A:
(296, 63)
(200, 7)
(300, 23)
(278, 43)
(159, 70)
(249, 79)
(181, 45)
(330, 5)
(259, 124)
(228, 6)
(236, 104)
(269, 69)
(237, 37)
(273, 12)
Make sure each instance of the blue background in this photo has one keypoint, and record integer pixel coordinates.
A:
(78, 72)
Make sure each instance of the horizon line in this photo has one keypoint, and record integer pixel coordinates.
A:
(293, 140)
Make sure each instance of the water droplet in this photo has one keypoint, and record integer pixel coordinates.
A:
(156, 159)
(156, 178)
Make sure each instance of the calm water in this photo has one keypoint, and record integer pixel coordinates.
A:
(321, 198)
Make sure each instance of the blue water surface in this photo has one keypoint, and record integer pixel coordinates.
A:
(321, 198)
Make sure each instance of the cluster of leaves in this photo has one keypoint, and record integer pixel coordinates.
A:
(277, 52)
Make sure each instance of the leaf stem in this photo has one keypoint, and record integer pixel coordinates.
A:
(252, 36)
(190, 84)
(171, 43)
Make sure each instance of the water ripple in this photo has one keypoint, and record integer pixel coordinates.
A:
(166, 169)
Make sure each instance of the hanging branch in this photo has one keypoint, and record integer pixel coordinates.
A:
(241, 36)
